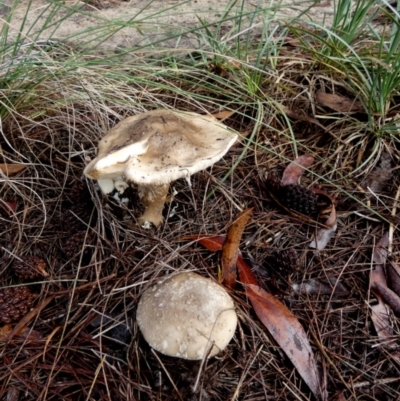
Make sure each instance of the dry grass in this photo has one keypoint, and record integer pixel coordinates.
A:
(100, 261)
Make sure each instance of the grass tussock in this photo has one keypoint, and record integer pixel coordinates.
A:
(58, 99)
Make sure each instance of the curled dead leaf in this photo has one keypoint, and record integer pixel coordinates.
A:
(296, 168)
(224, 114)
(339, 103)
(230, 249)
(393, 277)
(331, 286)
(10, 169)
(380, 252)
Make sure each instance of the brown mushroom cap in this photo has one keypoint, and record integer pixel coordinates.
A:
(187, 316)
(160, 146)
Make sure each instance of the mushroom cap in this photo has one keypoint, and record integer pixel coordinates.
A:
(187, 316)
(160, 146)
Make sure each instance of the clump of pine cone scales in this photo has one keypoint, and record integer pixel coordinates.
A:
(30, 267)
(284, 261)
(15, 302)
(294, 197)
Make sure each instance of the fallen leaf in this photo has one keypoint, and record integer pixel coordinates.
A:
(289, 334)
(377, 178)
(300, 117)
(381, 319)
(24, 333)
(245, 274)
(393, 277)
(230, 249)
(339, 103)
(378, 283)
(5, 331)
(295, 169)
(9, 169)
(212, 243)
(224, 114)
(9, 206)
(332, 287)
(381, 290)
(380, 251)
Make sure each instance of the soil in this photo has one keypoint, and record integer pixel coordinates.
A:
(162, 18)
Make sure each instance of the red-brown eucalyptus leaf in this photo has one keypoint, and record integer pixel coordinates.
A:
(9, 169)
(284, 328)
(213, 244)
(9, 206)
(245, 274)
(295, 169)
(230, 248)
(289, 334)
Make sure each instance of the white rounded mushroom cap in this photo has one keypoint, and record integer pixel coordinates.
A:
(160, 146)
(187, 316)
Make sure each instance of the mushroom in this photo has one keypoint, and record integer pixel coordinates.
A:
(154, 148)
(187, 316)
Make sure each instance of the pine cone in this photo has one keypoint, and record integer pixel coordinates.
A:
(299, 199)
(75, 217)
(30, 267)
(284, 261)
(79, 213)
(80, 194)
(14, 303)
(294, 197)
(74, 244)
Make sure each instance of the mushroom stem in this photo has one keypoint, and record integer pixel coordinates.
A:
(153, 197)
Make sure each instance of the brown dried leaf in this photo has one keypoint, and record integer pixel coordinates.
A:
(295, 169)
(9, 206)
(319, 287)
(9, 169)
(339, 103)
(380, 252)
(387, 295)
(289, 334)
(292, 114)
(213, 244)
(24, 333)
(224, 114)
(393, 277)
(377, 178)
(323, 235)
(230, 249)
(381, 319)
(5, 331)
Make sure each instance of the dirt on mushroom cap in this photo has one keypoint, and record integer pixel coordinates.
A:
(160, 146)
